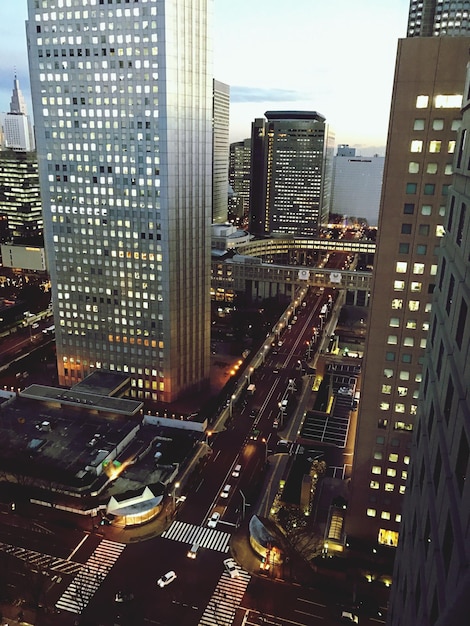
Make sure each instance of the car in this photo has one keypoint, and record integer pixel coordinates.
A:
(276, 423)
(231, 568)
(225, 491)
(122, 596)
(213, 520)
(236, 471)
(279, 343)
(254, 434)
(349, 618)
(253, 413)
(166, 579)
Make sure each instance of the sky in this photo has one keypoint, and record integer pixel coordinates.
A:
(336, 57)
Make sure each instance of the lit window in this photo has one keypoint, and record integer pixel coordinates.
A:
(374, 484)
(391, 472)
(397, 303)
(385, 515)
(376, 469)
(416, 287)
(378, 456)
(418, 124)
(438, 124)
(451, 150)
(404, 475)
(384, 406)
(426, 209)
(394, 322)
(371, 512)
(398, 517)
(401, 267)
(392, 340)
(448, 102)
(431, 168)
(399, 407)
(406, 460)
(404, 375)
(418, 268)
(389, 486)
(393, 457)
(413, 167)
(388, 373)
(402, 489)
(402, 391)
(413, 305)
(422, 102)
(387, 389)
(435, 146)
(399, 285)
(411, 324)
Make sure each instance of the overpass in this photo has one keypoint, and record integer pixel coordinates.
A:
(251, 270)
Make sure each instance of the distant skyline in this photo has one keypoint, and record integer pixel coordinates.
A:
(335, 57)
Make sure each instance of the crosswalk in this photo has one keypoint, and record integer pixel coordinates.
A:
(90, 576)
(42, 562)
(211, 538)
(225, 600)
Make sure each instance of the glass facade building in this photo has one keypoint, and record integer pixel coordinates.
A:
(122, 98)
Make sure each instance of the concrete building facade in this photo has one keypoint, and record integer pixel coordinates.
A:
(432, 573)
(357, 186)
(124, 133)
(425, 116)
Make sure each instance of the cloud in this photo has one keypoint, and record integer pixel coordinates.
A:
(240, 93)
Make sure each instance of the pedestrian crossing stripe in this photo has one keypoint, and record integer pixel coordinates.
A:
(205, 537)
(45, 562)
(92, 573)
(225, 600)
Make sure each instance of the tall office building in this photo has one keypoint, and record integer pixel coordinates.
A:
(122, 97)
(437, 18)
(432, 574)
(20, 197)
(221, 117)
(291, 163)
(424, 119)
(357, 185)
(17, 129)
(239, 177)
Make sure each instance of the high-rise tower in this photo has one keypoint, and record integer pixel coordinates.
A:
(291, 166)
(221, 116)
(18, 133)
(424, 120)
(122, 96)
(432, 573)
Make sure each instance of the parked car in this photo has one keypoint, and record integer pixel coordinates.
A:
(122, 596)
(231, 568)
(214, 518)
(349, 618)
(166, 579)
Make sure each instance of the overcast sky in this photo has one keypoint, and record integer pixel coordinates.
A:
(336, 57)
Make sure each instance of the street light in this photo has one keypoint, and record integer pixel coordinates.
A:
(175, 487)
(232, 398)
(250, 372)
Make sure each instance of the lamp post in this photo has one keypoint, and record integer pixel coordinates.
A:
(265, 349)
(243, 504)
(232, 398)
(175, 487)
(250, 372)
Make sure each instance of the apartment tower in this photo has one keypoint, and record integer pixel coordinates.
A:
(291, 168)
(239, 176)
(432, 575)
(122, 98)
(424, 120)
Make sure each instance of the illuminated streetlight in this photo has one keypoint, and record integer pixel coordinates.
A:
(175, 487)
(232, 398)
(250, 372)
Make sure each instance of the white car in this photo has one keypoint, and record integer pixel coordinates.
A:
(231, 568)
(214, 518)
(166, 579)
(225, 491)
(349, 618)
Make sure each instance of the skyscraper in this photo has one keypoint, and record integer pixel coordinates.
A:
(17, 130)
(122, 96)
(432, 573)
(239, 176)
(424, 119)
(292, 153)
(221, 117)
(428, 18)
